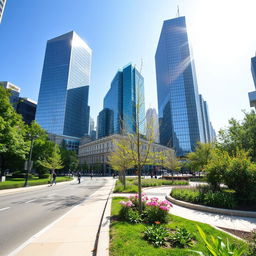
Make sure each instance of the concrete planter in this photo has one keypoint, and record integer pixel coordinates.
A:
(249, 214)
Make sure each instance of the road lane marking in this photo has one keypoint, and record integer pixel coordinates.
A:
(3, 209)
(50, 202)
(30, 201)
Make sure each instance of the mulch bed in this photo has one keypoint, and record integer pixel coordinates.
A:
(242, 234)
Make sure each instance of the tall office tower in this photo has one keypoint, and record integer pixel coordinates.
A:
(2, 6)
(15, 92)
(63, 97)
(27, 108)
(105, 123)
(179, 112)
(207, 138)
(152, 125)
(121, 101)
(252, 95)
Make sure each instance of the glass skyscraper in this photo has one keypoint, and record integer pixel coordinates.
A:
(252, 95)
(180, 117)
(63, 98)
(127, 90)
(2, 6)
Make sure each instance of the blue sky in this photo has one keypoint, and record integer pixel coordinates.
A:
(222, 34)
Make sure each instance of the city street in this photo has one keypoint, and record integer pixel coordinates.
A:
(24, 214)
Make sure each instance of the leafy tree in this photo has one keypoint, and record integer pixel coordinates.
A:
(170, 161)
(120, 159)
(69, 159)
(240, 135)
(53, 162)
(216, 168)
(241, 176)
(199, 159)
(12, 131)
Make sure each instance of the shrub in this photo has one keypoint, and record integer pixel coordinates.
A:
(206, 196)
(216, 167)
(181, 238)
(157, 210)
(153, 210)
(217, 247)
(20, 174)
(240, 177)
(156, 235)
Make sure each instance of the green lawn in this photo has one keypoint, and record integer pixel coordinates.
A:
(127, 239)
(19, 182)
(132, 184)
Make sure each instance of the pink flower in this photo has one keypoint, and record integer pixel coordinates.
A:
(154, 199)
(164, 208)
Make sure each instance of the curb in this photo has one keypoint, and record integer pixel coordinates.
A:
(248, 214)
(103, 239)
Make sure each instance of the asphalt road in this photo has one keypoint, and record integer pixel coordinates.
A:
(24, 214)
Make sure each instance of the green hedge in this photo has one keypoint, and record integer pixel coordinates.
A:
(132, 184)
(205, 196)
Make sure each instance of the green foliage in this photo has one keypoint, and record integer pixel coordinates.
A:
(127, 239)
(240, 176)
(206, 196)
(156, 235)
(217, 247)
(20, 174)
(131, 184)
(240, 135)
(17, 184)
(199, 159)
(130, 215)
(216, 168)
(12, 131)
(181, 238)
(54, 161)
(69, 159)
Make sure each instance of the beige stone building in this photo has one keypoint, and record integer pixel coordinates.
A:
(96, 152)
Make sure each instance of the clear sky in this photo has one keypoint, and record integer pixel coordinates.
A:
(222, 33)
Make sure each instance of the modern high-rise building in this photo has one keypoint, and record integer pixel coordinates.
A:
(2, 6)
(121, 104)
(63, 97)
(252, 95)
(27, 108)
(180, 117)
(152, 125)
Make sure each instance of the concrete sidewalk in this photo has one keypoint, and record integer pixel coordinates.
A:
(75, 233)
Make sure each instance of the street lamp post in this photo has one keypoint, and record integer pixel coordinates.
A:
(28, 164)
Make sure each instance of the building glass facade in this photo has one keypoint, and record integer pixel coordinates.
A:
(179, 111)
(127, 90)
(63, 97)
(2, 6)
(27, 108)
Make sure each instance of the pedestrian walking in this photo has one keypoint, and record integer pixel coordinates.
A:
(91, 174)
(79, 177)
(54, 176)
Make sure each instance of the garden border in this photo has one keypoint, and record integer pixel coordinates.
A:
(248, 214)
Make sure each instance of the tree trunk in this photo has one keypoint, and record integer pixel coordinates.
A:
(124, 180)
(139, 188)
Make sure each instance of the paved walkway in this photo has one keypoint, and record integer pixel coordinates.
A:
(75, 233)
(218, 220)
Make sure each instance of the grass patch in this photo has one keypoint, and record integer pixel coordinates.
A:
(19, 182)
(128, 239)
(132, 184)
